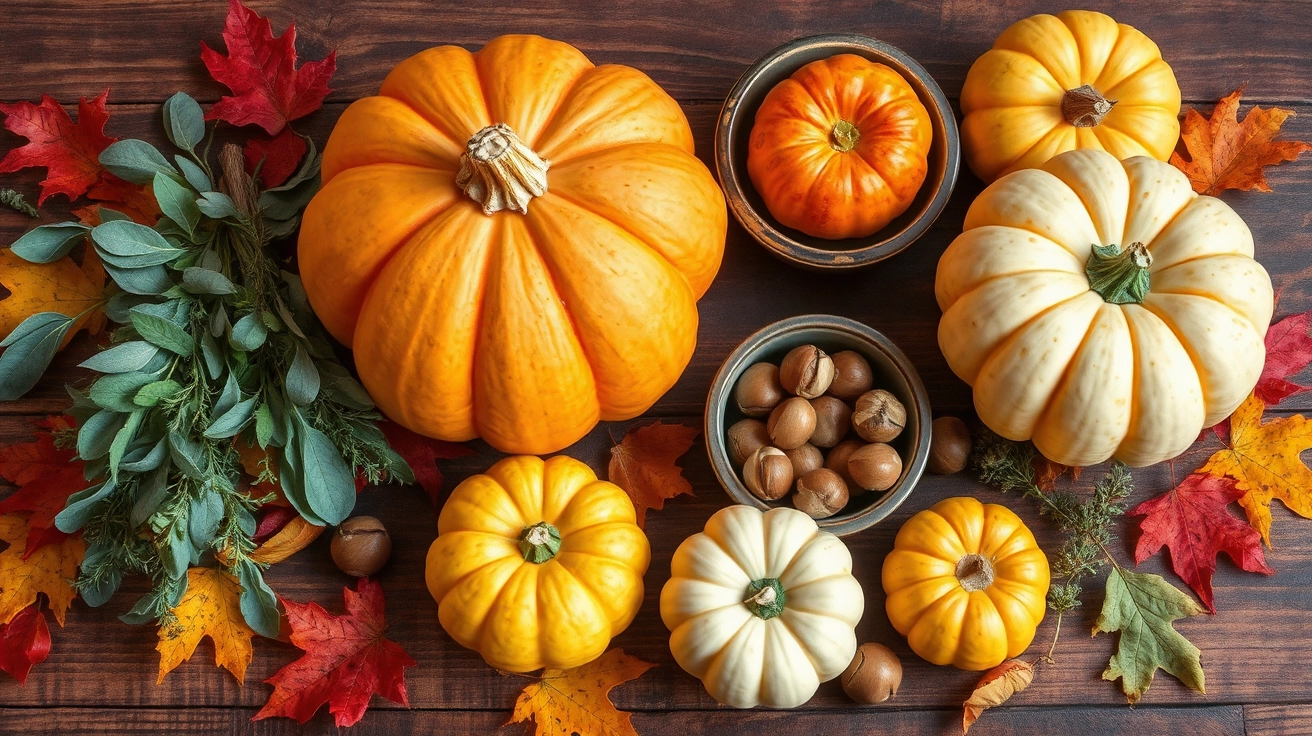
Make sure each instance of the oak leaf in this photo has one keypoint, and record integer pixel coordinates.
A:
(1142, 606)
(1226, 153)
(62, 287)
(1192, 521)
(46, 476)
(1264, 461)
(260, 69)
(48, 570)
(421, 454)
(24, 641)
(1288, 353)
(995, 688)
(210, 607)
(644, 465)
(69, 151)
(565, 702)
(347, 659)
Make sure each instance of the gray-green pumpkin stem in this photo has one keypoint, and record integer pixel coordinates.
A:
(1120, 276)
(539, 542)
(765, 598)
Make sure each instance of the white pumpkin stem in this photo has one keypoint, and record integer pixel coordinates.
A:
(501, 173)
(1120, 276)
(765, 598)
(975, 572)
(1085, 107)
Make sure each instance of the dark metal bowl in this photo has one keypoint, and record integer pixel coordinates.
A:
(892, 371)
(735, 126)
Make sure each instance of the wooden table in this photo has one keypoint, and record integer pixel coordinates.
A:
(1257, 650)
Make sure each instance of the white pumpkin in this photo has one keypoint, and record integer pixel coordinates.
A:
(762, 607)
(1168, 341)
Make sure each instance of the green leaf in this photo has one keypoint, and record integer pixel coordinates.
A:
(232, 421)
(148, 462)
(153, 393)
(259, 606)
(97, 592)
(209, 350)
(147, 281)
(122, 358)
(328, 481)
(127, 244)
(188, 455)
(121, 303)
(263, 426)
(177, 202)
(163, 332)
(248, 333)
(29, 350)
(143, 611)
(204, 281)
(96, 434)
(81, 506)
(122, 439)
(1142, 606)
(302, 381)
(176, 550)
(204, 519)
(195, 175)
(116, 391)
(218, 206)
(151, 492)
(183, 121)
(135, 160)
(341, 387)
(49, 243)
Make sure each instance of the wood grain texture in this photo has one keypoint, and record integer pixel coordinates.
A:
(1278, 720)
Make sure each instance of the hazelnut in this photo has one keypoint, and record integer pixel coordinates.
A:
(833, 420)
(745, 437)
(878, 416)
(806, 371)
(837, 461)
(874, 674)
(768, 473)
(791, 423)
(805, 459)
(759, 390)
(852, 376)
(949, 446)
(821, 493)
(875, 467)
(361, 546)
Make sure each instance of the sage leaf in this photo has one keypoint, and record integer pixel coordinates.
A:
(209, 350)
(1142, 606)
(153, 393)
(218, 206)
(119, 306)
(148, 462)
(229, 396)
(203, 521)
(81, 506)
(147, 281)
(163, 332)
(246, 521)
(96, 434)
(248, 333)
(176, 551)
(122, 439)
(135, 160)
(143, 611)
(183, 121)
(195, 175)
(122, 358)
(259, 606)
(188, 455)
(204, 281)
(129, 245)
(328, 481)
(302, 382)
(109, 215)
(263, 426)
(177, 202)
(117, 391)
(232, 421)
(49, 243)
(150, 494)
(97, 590)
(293, 486)
(28, 351)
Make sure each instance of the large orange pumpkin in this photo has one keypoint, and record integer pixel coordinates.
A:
(840, 148)
(513, 243)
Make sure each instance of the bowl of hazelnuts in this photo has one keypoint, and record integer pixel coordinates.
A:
(822, 413)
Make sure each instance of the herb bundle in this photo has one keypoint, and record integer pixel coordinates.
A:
(217, 348)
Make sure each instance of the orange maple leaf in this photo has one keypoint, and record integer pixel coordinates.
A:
(210, 607)
(1228, 154)
(564, 702)
(1264, 460)
(644, 465)
(62, 287)
(49, 569)
(1046, 472)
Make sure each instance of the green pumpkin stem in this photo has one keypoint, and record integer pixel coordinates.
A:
(765, 598)
(844, 136)
(539, 542)
(1120, 276)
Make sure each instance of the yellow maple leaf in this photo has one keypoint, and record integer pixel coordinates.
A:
(210, 607)
(50, 570)
(565, 702)
(62, 287)
(1264, 459)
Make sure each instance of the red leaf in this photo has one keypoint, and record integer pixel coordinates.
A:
(422, 454)
(46, 476)
(1192, 521)
(1288, 353)
(281, 155)
(267, 88)
(346, 660)
(24, 641)
(273, 520)
(69, 151)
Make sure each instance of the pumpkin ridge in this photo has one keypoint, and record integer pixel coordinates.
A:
(1061, 382)
(624, 228)
(593, 595)
(783, 619)
(798, 554)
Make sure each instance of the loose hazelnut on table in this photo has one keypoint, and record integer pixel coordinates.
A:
(759, 390)
(833, 420)
(745, 437)
(878, 416)
(949, 446)
(875, 467)
(837, 462)
(361, 546)
(821, 493)
(805, 459)
(852, 376)
(791, 423)
(806, 371)
(768, 474)
(874, 674)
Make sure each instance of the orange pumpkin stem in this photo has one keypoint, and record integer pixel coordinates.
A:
(844, 136)
(1085, 107)
(501, 173)
(974, 572)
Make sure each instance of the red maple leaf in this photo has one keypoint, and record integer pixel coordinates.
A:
(46, 476)
(280, 156)
(422, 454)
(267, 88)
(347, 660)
(24, 641)
(70, 152)
(1192, 521)
(1288, 353)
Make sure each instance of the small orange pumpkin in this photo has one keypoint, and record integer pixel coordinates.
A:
(840, 148)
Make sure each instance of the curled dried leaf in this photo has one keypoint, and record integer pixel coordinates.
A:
(995, 688)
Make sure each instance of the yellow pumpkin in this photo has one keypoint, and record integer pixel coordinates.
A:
(1058, 83)
(966, 584)
(537, 564)
(513, 242)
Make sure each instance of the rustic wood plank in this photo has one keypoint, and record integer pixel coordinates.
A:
(696, 50)
(1278, 720)
(1203, 721)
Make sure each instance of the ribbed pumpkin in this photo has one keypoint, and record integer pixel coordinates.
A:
(1057, 83)
(513, 243)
